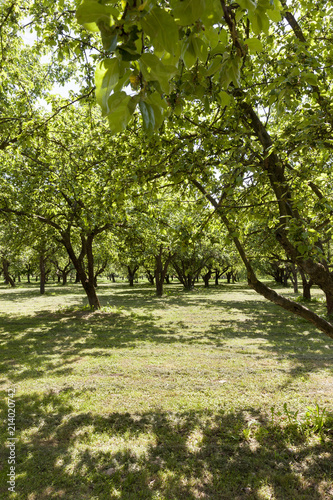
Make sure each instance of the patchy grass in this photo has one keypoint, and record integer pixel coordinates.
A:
(198, 395)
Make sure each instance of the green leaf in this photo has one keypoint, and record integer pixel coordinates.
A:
(128, 55)
(224, 98)
(200, 49)
(154, 70)
(310, 78)
(259, 22)
(214, 66)
(188, 11)
(161, 27)
(247, 5)
(213, 15)
(254, 45)
(121, 107)
(106, 78)
(90, 12)
(211, 35)
(148, 117)
(274, 15)
(234, 71)
(188, 53)
(159, 106)
(263, 21)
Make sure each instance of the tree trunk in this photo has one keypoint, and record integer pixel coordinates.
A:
(306, 284)
(131, 274)
(5, 269)
(151, 277)
(161, 270)
(206, 277)
(294, 278)
(42, 274)
(329, 303)
(87, 281)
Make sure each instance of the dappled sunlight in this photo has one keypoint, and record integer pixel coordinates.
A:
(191, 454)
(166, 397)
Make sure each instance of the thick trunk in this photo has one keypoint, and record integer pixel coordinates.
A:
(188, 282)
(5, 269)
(206, 277)
(151, 277)
(306, 284)
(87, 281)
(91, 294)
(329, 304)
(131, 274)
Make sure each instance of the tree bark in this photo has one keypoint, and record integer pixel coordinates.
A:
(161, 271)
(42, 274)
(306, 285)
(5, 269)
(206, 277)
(87, 280)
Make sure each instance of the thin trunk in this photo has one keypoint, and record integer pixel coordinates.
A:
(294, 278)
(42, 274)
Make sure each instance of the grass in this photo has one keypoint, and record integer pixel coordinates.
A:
(198, 395)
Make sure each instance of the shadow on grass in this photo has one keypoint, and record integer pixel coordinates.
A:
(188, 455)
(32, 341)
(30, 291)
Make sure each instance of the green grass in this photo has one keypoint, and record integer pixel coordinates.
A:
(164, 398)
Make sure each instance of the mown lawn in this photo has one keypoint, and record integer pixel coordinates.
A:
(192, 396)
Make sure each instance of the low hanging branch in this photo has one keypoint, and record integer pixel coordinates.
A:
(257, 285)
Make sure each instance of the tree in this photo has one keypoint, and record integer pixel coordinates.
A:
(270, 103)
(78, 193)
